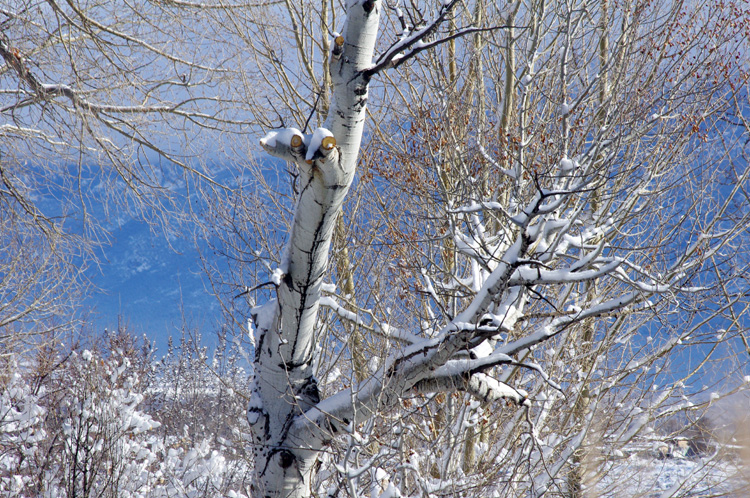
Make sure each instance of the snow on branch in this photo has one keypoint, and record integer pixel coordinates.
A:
(561, 323)
(294, 146)
(479, 385)
(537, 275)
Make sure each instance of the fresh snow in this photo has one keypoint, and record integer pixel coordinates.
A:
(567, 164)
(315, 142)
(283, 136)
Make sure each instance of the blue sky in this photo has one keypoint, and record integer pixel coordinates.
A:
(151, 284)
(154, 284)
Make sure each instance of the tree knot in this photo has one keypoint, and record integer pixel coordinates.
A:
(286, 459)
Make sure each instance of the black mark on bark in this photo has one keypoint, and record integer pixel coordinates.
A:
(286, 459)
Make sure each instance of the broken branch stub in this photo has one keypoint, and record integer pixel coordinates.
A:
(338, 47)
(290, 144)
(326, 145)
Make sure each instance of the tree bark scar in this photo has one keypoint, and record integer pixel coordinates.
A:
(331, 426)
(310, 391)
(368, 5)
(360, 104)
(286, 459)
(259, 346)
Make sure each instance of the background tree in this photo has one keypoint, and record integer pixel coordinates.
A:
(557, 249)
(547, 228)
(436, 141)
(102, 109)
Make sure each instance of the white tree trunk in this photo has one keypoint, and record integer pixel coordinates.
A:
(285, 340)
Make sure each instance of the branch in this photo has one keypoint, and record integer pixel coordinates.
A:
(395, 55)
(46, 91)
(560, 324)
(375, 326)
(88, 22)
(414, 43)
(530, 276)
(221, 5)
(481, 386)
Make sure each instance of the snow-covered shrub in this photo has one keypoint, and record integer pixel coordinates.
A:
(88, 423)
(197, 398)
(202, 471)
(105, 446)
(21, 431)
(196, 395)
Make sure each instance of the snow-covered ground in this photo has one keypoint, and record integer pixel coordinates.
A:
(651, 477)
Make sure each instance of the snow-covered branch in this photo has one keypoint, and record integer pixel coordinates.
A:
(479, 385)
(414, 40)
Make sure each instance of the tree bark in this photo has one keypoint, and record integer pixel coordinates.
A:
(285, 386)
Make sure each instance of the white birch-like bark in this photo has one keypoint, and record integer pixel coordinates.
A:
(284, 383)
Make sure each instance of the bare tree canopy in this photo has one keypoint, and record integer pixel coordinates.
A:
(498, 243)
